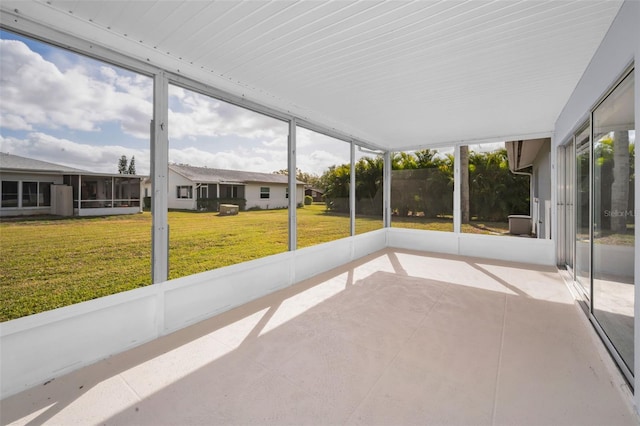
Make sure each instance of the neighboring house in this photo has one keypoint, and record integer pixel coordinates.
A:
(31, 187)
(534, 155)
(315, 193)
(187, 184)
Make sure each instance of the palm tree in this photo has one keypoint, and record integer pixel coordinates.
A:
(620, 185)
(464, 184)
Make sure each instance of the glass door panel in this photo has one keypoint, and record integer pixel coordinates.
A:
(613, 216)
(582, 208)
(569, 195)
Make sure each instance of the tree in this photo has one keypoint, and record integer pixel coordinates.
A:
(464, 184)
(132, 166)
(426, 158)
(335, 183)
(620, 186)
(494, 191)
(403, 161)
(369, 175)
(421, 184)
(308, 178)
(122, 165)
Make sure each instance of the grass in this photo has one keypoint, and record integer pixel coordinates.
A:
(446, 225)
(616, 239)
(47, 263)
(52, 263)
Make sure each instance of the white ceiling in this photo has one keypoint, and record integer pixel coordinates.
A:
(397, 74)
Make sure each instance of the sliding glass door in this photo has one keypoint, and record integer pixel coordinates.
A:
(582, 211)
(597, 193)
(568, 201)
(613, 217)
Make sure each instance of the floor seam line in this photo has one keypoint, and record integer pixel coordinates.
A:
(126, 382)
(495, 391)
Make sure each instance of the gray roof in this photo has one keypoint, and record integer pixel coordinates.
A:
(208, 175)
(16, 162)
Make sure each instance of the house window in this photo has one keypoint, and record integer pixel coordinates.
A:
(202, 191)
(9, 193)
(264, 192)
(89, 190)
(286, 192)
(44, 194)
(185, 191)
(29, 194)
(232, 191)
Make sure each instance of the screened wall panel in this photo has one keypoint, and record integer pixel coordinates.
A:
(228, 189)
(324, 165)
(75, 132)
(369, 169)
(422, 189)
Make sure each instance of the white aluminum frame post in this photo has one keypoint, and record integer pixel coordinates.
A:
(160, 180)
(293, 188)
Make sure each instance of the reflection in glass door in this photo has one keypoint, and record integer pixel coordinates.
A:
(569, 191)
(614, 218)
(582, 211)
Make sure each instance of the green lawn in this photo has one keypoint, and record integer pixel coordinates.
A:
(446, 225)
(46, 263)
(49, 263)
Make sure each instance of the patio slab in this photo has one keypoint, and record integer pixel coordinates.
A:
(398, 337)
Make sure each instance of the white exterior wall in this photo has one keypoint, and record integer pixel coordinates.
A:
(300, 194)
(174, 202)
(277, 195)
(616, 52)
(620, 47)
(22, 177)
(542, 174)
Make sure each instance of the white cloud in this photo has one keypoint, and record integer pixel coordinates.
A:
(14, 122)
(67, 95)
(317, 152)
(101, 159)
(486, 147)
(240, 159)
(317, 162)
(37, 93)
(195, 115)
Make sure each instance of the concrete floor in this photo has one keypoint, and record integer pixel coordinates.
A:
(397, 338)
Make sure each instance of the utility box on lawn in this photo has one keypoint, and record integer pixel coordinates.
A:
(228, 209)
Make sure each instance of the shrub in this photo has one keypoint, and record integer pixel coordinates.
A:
(308, 200)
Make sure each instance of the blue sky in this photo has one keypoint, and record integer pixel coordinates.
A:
(65, 108)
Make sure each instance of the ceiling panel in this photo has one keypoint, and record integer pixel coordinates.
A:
(394, 73)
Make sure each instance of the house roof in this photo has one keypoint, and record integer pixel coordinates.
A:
(315, 189)
(522, 154)
(208, 175)
(18, 163)
(395, 74)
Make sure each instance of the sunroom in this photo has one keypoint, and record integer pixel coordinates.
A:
(422, 312)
